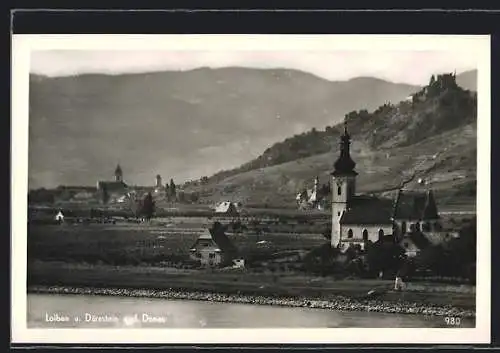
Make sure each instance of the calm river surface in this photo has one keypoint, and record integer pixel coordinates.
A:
(83, 311)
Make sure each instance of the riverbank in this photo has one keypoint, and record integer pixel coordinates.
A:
(337, 303)
(245, 287)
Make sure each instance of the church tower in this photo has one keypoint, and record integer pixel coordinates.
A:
(343, 185)
(118, 173)
(159, 183)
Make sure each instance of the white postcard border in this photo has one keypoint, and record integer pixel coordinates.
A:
(22, 45)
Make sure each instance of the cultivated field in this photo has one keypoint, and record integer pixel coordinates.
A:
(161, 241)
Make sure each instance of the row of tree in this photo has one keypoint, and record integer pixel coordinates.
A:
(143, 208)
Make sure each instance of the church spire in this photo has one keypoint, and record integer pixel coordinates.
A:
(118, 173)
(344, 165)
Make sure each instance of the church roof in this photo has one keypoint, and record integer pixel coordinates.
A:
(344, 165)
(415, 205)
(368, 210)
(112, 185)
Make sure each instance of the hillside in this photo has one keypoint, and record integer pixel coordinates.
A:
(432, 136)
(182, 125)
(468, 80)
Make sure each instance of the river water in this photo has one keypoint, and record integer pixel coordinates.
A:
(88, 311)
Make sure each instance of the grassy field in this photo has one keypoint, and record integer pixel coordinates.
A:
(283, 284)
(121, 244)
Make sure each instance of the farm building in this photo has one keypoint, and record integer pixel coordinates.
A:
(314, 198)
(59, 217)
(226, 208)
(414, 242)
(213, 248)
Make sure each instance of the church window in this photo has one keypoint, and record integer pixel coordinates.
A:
(365, 234)
(403, 227)
(380, 233)
(349, 233)
(339, 190)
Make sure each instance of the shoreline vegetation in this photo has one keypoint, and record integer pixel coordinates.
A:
(338, 303)
(45, 278)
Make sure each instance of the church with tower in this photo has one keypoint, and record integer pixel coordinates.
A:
(412, 219)
(116, 186)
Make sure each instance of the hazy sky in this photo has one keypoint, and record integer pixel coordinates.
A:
(414, 67)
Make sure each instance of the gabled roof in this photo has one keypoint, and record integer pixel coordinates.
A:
(368, 210)
(225, 207)
(222, 240)
(314, 196)
(206, 234)
(219, 237)
(415, 205)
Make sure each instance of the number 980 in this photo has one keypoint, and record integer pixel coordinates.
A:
(452, 321)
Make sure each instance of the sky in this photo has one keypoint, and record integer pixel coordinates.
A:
(412, 67)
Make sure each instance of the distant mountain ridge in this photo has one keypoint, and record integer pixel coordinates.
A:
(183, 125)
(468, 80)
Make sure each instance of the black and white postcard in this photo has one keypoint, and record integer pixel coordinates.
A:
(251, 189)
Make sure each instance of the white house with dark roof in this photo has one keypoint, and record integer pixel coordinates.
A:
(226, 208)
(314, 198)
(357, 219)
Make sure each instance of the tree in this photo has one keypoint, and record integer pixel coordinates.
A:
(327, 233)
(172, 188)
(148, 206)
(384, 256)
(194, 197)
(105, 194)
(431, 258)
(135, 205)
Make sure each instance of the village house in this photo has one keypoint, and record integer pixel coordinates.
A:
(59, 217)
(226, 208)
(314, 198)
(213, 248)
(358, 219)
(413, 243)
